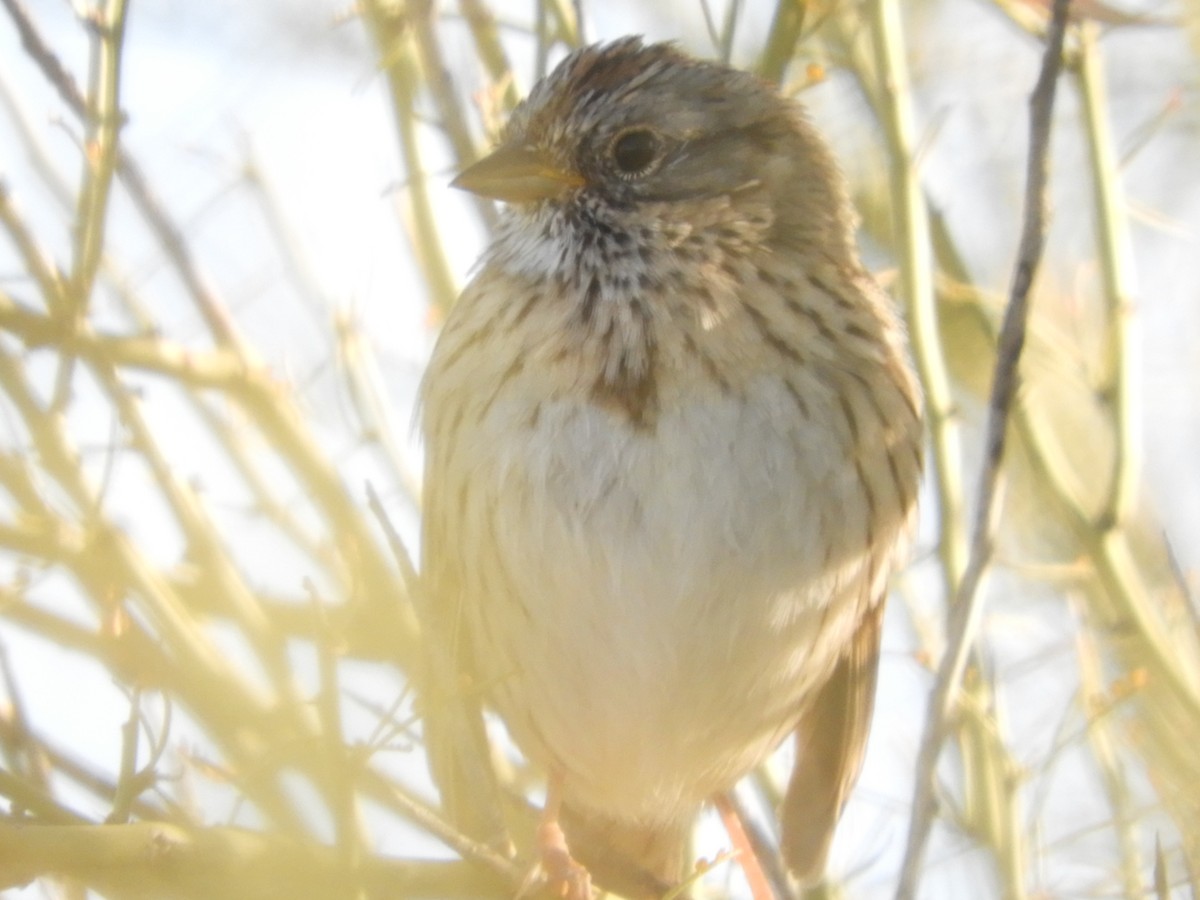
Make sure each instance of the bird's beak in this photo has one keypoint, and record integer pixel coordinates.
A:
(517, 175)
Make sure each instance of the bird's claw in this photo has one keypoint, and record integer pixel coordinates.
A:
(558, 871)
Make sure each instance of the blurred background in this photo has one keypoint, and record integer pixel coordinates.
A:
(228, 240)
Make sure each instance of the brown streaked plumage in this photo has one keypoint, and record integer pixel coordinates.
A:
(673, 447)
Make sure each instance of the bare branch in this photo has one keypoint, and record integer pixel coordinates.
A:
(968, 600)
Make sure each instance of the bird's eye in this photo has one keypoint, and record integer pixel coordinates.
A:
(636, 150)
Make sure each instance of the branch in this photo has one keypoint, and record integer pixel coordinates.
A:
(1118, 387)
(913, 249)
(155, 859)
(391, 32)
(100, 148)
(968, 603)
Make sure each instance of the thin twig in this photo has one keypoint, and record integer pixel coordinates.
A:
(729, 30)
(710, 24)
(780, 46)
(111, 565)
(541, 30)
(1119, 376)
(968, 605)
(416, 811)
(567, 25)
(39, 51)
(989, 808)
(1108, 761)
(27, 798)
(132, 782)
(391, 33)
(23, 747)
(451, 115)
(408, 572)
(35, 259)
(127, 787)
(100, 157)
(917, 284)
(171, 237)
(764, 846)
(580, 27)
(339, 772)
(490, 51)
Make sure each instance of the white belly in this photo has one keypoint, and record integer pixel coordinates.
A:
(671, 599)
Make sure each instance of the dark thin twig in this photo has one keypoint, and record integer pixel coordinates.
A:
(968, 603)
(47, 60)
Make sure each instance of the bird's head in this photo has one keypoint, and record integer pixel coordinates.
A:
(634, 127)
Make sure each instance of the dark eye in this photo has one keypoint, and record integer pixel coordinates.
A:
(635, 150)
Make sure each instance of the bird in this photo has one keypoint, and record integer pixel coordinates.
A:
(673, 448)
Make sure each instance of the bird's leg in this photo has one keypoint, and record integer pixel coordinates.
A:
(760, 887)
(565, 877)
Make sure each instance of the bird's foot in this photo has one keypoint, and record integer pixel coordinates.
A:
(560, 874)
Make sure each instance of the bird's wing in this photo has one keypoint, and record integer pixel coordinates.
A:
(831, 740)
(451, 702)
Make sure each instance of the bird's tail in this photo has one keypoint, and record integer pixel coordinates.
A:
(831, 740)
(633, 860)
